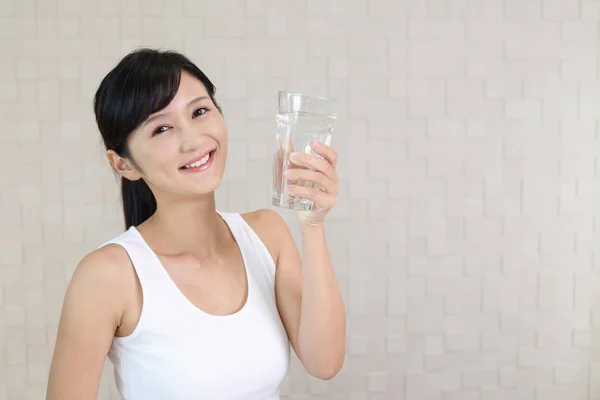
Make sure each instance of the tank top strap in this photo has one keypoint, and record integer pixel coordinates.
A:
(145, 263)
(259, 262)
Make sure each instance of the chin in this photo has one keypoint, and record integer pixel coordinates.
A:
(208, 189)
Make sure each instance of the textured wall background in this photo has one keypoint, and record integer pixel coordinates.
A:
(467, 229)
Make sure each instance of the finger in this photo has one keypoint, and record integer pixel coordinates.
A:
(324, 182)
(278, 168)
(310, 161)
(322, 200)
(289, 145)
(326, 152)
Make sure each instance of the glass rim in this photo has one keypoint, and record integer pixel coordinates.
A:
(308, 96)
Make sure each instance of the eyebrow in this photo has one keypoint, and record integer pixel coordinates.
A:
(155, 116)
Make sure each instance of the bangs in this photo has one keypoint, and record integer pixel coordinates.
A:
(140, 87)
(150, 90)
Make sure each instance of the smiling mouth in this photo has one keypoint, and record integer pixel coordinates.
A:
(201, 164)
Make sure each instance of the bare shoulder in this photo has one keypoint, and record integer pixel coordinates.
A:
(263, 218)
(106, 276)
(108, 264)
(270, 228)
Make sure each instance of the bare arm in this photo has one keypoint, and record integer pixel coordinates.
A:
(308, 296)
(311, 302)
(90, 316)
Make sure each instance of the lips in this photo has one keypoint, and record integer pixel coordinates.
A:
(208, 153)
(201, 165)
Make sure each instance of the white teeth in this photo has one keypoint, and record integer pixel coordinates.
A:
(199, 163)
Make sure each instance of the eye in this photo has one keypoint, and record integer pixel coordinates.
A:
(160, 129)
(200, 111)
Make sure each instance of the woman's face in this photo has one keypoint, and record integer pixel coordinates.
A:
(181, 150)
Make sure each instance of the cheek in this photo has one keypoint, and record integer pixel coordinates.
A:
(220, 131)
(160, 153)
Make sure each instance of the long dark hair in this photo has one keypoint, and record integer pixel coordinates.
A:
(144, 82)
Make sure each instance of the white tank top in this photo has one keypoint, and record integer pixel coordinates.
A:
(179, 352)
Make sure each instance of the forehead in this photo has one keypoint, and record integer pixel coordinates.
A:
(190, 86)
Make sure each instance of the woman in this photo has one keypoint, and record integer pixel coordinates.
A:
(190, 302)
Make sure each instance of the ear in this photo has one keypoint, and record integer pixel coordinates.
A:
(123, 166)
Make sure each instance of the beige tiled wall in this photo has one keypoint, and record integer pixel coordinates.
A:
(467, 229)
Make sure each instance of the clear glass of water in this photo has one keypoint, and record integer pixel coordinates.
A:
(301, 119)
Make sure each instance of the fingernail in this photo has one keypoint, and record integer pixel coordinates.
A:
(294, 156)
(288, 174)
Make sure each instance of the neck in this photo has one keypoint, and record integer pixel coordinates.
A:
(189, 226)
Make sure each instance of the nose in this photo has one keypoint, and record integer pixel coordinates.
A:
(189, 138)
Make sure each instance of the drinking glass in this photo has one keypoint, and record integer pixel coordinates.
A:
(301, 119)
